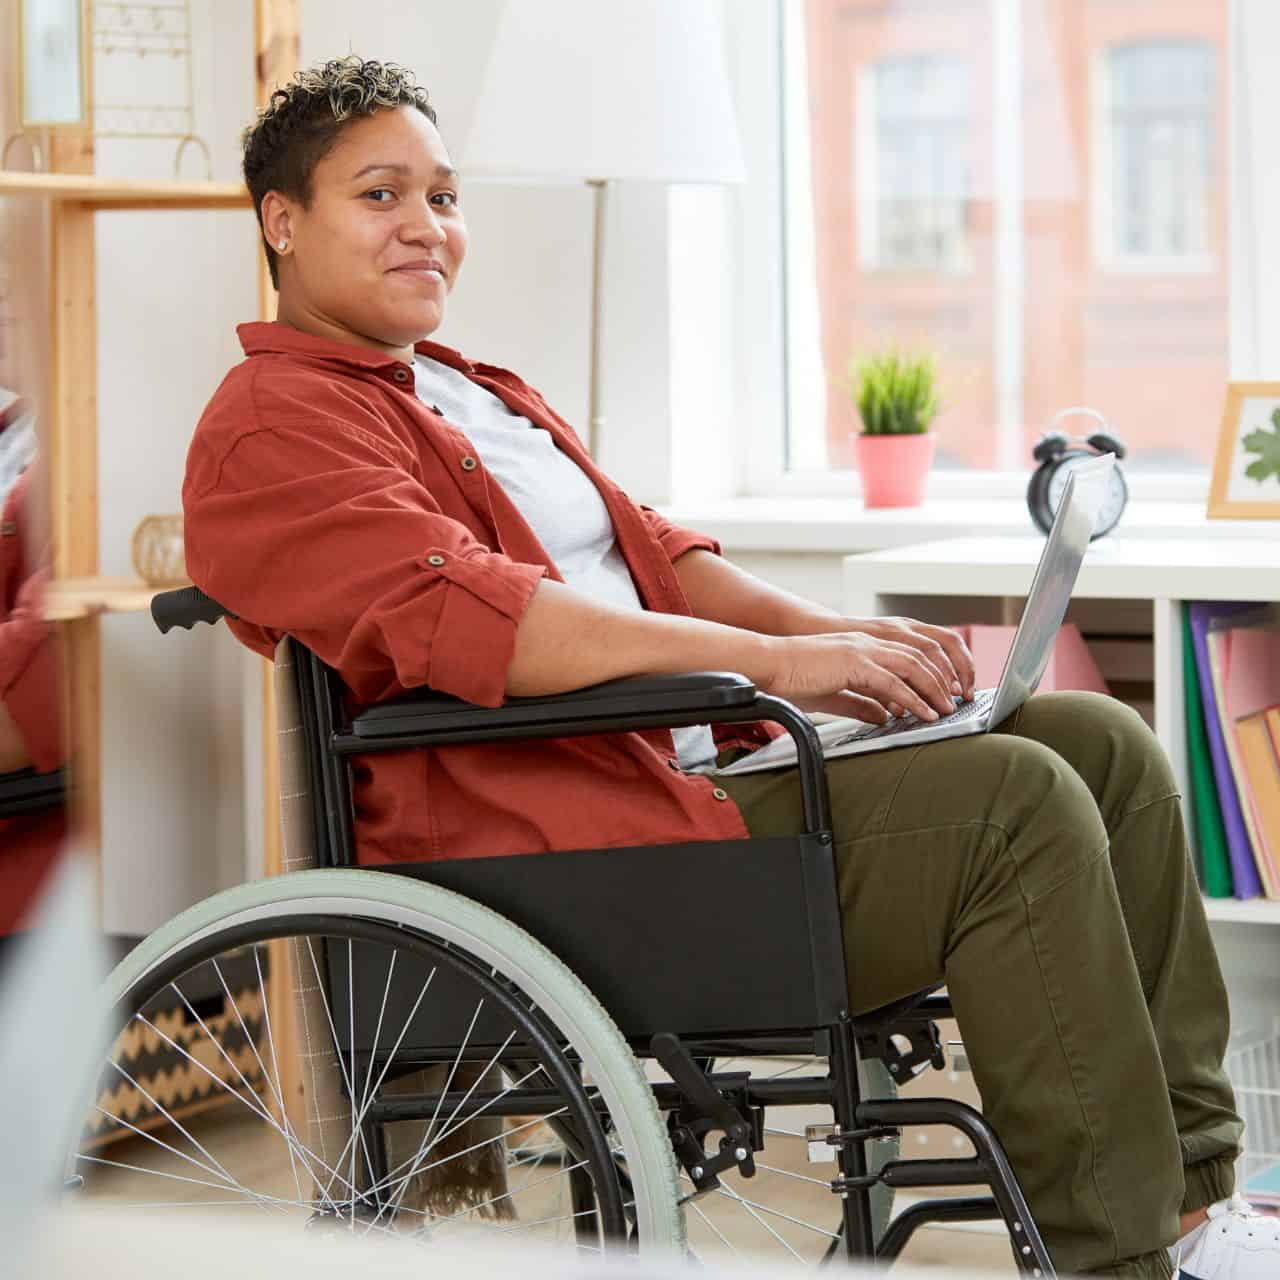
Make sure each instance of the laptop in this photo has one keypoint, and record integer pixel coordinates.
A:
(1042, 615)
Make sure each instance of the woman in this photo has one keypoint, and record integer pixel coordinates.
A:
(419, 519)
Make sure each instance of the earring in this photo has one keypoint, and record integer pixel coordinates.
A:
(282, 245)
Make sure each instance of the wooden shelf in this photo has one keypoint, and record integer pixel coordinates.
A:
(98, 192)
(72, 598)
(1248, 911)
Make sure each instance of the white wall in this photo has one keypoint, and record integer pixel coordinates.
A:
(170, 288)
(523, 298)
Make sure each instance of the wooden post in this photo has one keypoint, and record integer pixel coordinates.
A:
(276, 53)
(73, 479)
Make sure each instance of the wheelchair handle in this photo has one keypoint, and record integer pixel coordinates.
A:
(184, 608)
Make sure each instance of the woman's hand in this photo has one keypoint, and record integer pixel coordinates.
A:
(944, 648)
(855, 673)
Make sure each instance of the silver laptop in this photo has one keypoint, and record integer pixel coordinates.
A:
(1032, 647)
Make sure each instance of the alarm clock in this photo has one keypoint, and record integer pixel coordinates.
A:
(1057, 455)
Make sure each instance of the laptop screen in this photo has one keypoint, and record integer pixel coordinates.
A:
(1051, 587)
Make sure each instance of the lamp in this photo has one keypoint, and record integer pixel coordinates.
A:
(584, 91)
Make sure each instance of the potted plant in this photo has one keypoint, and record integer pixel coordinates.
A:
(896, 395)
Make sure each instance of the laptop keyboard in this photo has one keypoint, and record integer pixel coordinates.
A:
(900, 724)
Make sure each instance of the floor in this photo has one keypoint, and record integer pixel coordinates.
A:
(786, 1211)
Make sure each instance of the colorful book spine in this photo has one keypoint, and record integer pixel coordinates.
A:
(1209, 836)
(1260, 768)
(1244, 873)
(1218, 643)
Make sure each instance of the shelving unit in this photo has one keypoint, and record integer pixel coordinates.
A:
(101, 193)
(946, 581)
(78, 595)
(70, 599)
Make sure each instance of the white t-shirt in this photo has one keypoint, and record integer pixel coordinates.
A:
(556, 497)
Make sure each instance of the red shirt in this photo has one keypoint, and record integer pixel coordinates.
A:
(324, 500)
(29, 690)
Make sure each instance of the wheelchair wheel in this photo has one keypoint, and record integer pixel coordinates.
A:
(787, 1210)
(355, 1049)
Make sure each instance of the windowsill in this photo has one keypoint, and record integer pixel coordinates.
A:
(843, 525)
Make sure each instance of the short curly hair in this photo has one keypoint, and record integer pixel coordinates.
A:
(301, 122)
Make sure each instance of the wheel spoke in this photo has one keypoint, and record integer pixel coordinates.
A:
(277, 1088)
(159, 1142)
(386, 1066)
(357, 1128)
(440, 1137)
(528, 1186)
(790, 1173)
(351, 1088)
(182, 1129)
(733, 1195)
(693, 1204)
(258, 1110)
(777, 1213)
(275, 1201)
(398, 1195)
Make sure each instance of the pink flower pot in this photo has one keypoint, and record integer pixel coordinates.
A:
(894, 468)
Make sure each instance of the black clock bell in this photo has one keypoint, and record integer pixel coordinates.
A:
(1057, 454)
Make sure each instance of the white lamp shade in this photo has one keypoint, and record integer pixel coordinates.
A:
(606, 89)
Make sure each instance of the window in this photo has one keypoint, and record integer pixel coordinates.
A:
(1160, 136)
(1035, 190)
(914, 182)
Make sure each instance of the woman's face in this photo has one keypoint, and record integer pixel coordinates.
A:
(374, 256)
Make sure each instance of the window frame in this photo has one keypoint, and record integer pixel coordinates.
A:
(1107, 256)
(757, 51)
(867, 88)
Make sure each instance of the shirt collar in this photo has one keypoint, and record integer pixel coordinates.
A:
(261, 337)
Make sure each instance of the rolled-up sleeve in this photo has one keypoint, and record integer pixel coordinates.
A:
(675, 540)
(318, 529)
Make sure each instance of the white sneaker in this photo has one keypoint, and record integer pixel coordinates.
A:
(1237, 1243)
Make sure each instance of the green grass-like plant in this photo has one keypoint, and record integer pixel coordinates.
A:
(895, 392)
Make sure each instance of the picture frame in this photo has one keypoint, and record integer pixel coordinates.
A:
(1246, 469)
(53, 64)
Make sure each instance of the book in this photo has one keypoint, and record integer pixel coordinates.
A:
(1251, 684)
(1209, 836)
(1070, 665)
(1219, 644)
(1244, 872)
(1260, 767)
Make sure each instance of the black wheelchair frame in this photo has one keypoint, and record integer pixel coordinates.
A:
(780, 989)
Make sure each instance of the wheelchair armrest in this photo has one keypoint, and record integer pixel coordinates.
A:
(691, 693)
(26, 791)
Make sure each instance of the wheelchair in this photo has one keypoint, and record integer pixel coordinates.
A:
(627, 1049)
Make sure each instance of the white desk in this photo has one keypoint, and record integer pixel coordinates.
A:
(1163, 572)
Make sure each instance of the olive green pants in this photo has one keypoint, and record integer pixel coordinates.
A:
(1042, 872)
